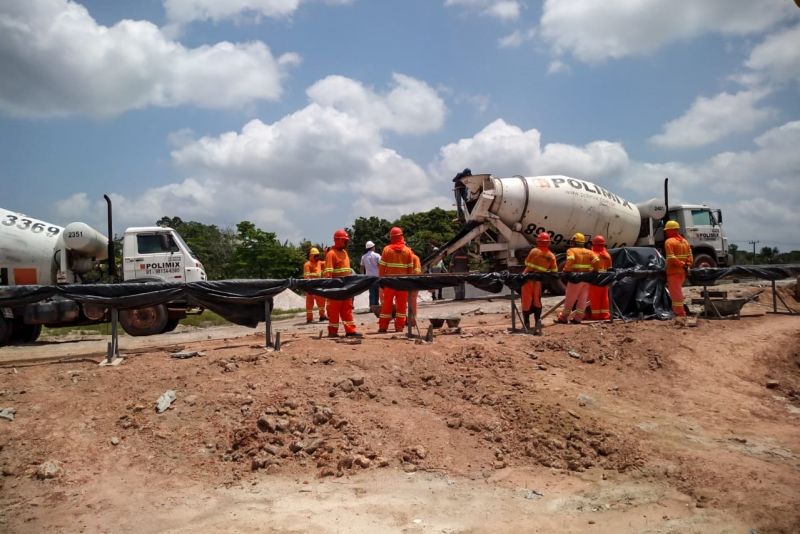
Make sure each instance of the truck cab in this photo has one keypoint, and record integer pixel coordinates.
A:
(702, 228)
(156, 253)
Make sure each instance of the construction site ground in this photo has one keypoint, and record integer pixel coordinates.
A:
(640, 426)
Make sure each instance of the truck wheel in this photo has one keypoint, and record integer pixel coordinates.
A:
(26, 333)
(5, 331)
(704, 260)
(144, 321)
(171, 325)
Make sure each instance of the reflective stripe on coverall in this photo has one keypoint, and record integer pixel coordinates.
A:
(412, 295)
(337, 265)
(679, 258)
(598, 295)
(538, 261)
(313, 269)
(579, 260)
(396, 259)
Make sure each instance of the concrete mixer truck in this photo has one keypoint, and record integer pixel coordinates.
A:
(34, 252)
(506, 214)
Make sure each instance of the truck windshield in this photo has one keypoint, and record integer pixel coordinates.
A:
(183, 244)
(154, 244)
(702, 218)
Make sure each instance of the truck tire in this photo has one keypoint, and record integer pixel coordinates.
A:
(704, 260)
(171, 325)
(5, 331)
(144, 321)
(25, 333)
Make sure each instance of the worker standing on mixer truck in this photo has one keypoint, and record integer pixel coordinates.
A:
(337, 265)
(598, 295)
(539, 260)
(579, 260)
(679, 261)
(396, 259)
(312, 269)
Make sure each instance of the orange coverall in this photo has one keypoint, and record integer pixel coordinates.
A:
(313, 269)
(579, 260)
(396, 259)
(539, 260)
(679, 258)
(337, 265)
(598, 295)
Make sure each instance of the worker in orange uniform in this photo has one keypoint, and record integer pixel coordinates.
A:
(579, 260)
(312, 269)
(337, 265)
(412, 295)
(679, 261)
(396, 259)
(539, 260)
(598, 295)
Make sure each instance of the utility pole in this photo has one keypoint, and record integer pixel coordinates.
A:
(753, 261)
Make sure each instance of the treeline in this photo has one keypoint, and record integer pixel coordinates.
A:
(765, 256)
(250, 252)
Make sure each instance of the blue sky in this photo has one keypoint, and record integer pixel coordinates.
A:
(301, 115)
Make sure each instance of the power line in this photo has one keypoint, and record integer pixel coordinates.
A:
(753, 260)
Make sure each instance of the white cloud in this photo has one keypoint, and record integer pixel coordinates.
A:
(557, 66)
(516, 38)
(411, 106)
(180, 12)
(505, 150)
(73, 208)
(324, 164)
(57, 61)
(777, 58)
(711, 119)
(501, 9)
(596, 31)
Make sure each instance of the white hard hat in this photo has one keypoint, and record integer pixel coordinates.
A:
(370, 244)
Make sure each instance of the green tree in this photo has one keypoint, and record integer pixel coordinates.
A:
(366, 229)
(259, 254)
(428, 229)
(214, 247)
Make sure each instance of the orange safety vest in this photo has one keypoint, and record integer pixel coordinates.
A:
(581, 260)
(540, 261)
(679, 254)
(394, 262)
(312, 269)
(337, 264)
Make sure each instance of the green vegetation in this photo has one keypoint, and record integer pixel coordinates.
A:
(250, 252)
(765, 256)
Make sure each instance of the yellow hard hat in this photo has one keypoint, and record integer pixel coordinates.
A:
(672, 225)
(579, 238)
(313, 252)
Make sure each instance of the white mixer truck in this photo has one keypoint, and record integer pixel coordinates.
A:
(34, 252)
(506, 214)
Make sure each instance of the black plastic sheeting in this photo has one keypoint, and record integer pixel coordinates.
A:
(637, 274)
(642, 294)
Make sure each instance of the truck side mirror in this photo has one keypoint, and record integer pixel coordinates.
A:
(165, 244)
(719, 216)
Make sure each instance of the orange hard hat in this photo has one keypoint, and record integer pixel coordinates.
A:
(396, 231)
(543, 237)
(341, 234)
(598, 240)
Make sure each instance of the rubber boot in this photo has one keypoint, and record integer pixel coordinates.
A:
(526, 320)
(537, 315)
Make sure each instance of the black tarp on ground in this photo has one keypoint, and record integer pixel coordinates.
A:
(637, 273)
(640, 285)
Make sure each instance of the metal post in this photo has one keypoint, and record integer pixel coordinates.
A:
(409, 316)
(113, 347)
(513, 312)
(774, 298)
(705, 301)
(268, 322)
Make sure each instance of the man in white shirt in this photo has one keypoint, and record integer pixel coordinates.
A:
(369, 266)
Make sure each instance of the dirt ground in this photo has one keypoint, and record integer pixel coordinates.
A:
(600, 427)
